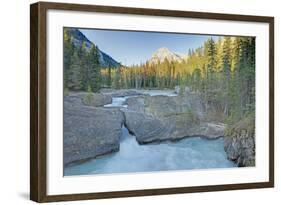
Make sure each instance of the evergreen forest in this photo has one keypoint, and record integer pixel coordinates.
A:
(221, 71)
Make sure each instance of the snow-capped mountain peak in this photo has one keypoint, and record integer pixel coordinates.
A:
(164, 53)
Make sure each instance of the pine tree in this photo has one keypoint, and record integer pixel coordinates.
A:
(74, 74)
(212, 52)
(211, 93)
(196, 79)
(68, 50)
(117, 78)
(226, 71)
(95, 71)
(85, 67)
(109, 76)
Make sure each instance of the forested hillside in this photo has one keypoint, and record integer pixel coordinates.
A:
(221, 71)
(83, 61)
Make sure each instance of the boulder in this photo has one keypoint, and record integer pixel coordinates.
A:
(136, 104)
(158, 118)
(89, 99)
(165, 106)
(96, 99)
(146, 128)
(120, 93)
(90, 132)
(239, 142)
(211, 130)
(73, 99)
(182, 90)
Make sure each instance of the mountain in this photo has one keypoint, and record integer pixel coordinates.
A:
(78, 38)
(164, 53)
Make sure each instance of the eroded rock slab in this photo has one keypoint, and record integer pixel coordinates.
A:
(158, 118)
(120, 92)
(146, 128)
(84, 98)
(90, 132)
(239, 143)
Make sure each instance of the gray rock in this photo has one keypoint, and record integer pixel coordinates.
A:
(90, 132)
(96, 99)
(84, 98)
(239, 143)
(158, 118)
(165, 106)
(241, 149)
(136, 104)
(182, 90)
(121, 92)
(146, 128)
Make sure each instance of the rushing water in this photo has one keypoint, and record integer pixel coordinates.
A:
(186, 154)
(120, 101)
(159, 92)
(189, 153)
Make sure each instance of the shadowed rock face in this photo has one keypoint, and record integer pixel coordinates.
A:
(241, 149)
(158, 118)
(239, 143)
(90, 132)
(146, 128)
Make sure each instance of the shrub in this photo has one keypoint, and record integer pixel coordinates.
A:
(88, 98)
(182, 90)
(65, 92)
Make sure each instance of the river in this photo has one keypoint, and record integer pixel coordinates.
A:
(186, 154)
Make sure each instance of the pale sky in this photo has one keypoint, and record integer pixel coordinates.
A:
(134, 47)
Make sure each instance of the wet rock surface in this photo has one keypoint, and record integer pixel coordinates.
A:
(146, 128)
(158, 118)
(239, 143)
(121, 92)
(90, 132)
(84, 98)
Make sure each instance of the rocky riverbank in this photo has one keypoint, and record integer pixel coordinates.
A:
(92, 129)
(89, 131)
(239, 143)
(159, 118)
(120, 92)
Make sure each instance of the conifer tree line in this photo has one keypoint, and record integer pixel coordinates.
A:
(81, 66)
(221, 71)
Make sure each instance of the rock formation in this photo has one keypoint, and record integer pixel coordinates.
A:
(240, 142)
(84, 98)
(89, 131)
(158, 118)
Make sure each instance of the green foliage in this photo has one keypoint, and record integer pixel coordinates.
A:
(68, 50)
(222, 71)
(65, 92)
(74, 81)
(95, 70)
(109, 79)
(117, 79)
(245, 124)
(182, 89)
(81, 65)
(192, 117)
(88, 98)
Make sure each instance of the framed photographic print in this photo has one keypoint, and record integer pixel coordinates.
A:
(134, 102)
